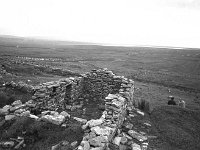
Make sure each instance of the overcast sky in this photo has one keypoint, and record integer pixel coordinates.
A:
(119, 22)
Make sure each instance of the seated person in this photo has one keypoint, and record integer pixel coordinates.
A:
(171, 101)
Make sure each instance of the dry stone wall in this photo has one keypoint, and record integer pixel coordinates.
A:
(106, 132)
(111, 131)
(96, 84)
(56, 94)
(99, 83)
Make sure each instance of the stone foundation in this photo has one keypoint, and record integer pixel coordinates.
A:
(97, 85)
(111, 131)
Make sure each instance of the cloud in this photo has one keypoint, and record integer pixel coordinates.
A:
(125, 22)
(191, 4)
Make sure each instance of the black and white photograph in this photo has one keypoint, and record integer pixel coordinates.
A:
(99, 74)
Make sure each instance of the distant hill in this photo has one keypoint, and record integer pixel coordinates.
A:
(8, 40)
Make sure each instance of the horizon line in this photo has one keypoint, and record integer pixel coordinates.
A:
(94, 43)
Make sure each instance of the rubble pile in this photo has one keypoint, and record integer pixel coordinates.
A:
(17, 109)
(21, 86)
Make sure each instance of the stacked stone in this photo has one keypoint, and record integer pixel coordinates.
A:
(51, 95)
(114, 104)
(107, 132)
(127, 90)
(99, 133)
(56, 94)
(76, 90)
(99, 83)
(16, 109)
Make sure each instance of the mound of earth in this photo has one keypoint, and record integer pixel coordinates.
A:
(179, 127)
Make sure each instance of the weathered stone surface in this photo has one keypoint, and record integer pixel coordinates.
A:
(124, 140)
(12, 109)
(55, 147)
(16, 103)
(129, 126)
(30, 104)
(5, 110)
(80, 120)
(54, 113)
(85, 145)
(102, 130)
(25, 113)
(135, 146)
(92, 135)
(33, 116)
(59, 119)
(137, 135)
(45, 112)
(96, 122)
(74, 144)
(65, 114)
(84, 127)
(117, 140)
(7, 144)
(98, 141)
(19, 111)
(9, 117)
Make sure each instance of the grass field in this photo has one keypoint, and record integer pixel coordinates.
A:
(157, 72)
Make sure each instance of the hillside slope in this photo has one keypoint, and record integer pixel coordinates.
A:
(178, 127)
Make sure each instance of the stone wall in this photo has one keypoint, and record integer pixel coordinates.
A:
(112, 130)
(99, 83)
(106, 132)
(56, 94)
(74, 90)
(115, 91)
